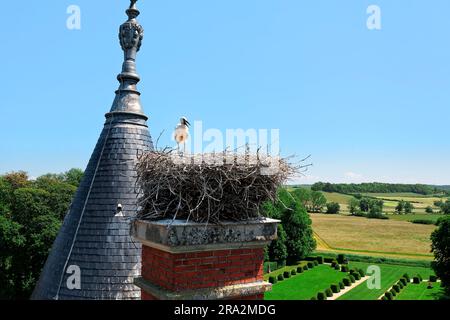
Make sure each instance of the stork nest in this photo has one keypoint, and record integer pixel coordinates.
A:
(208, 187)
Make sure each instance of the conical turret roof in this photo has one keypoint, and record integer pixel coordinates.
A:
(95, 236)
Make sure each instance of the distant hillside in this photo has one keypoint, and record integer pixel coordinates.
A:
(376, 187)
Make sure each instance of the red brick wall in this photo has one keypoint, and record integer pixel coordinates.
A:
(197, 270)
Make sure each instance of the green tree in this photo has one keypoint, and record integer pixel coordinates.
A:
(409, 207)
(304, 196)
(353, 206)
(445, 209)
(318, 201)
(333, 208)
(400, 207)
(277, 249)
(364, 204)
(73, 177)
(440, 246)
(429, 209)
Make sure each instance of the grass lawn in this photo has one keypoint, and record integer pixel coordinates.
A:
(393, 238)
(390, 274)
(410, 217)
(305, 285)
(420, 292)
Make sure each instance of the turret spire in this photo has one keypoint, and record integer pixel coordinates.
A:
(131, 34)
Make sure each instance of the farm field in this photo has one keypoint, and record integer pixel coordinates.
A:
(305, 285)
(372, 236)
(390, 274)
(420, 292)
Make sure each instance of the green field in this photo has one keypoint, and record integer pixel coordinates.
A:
(390, 274)
(305, 285)
(420, 292)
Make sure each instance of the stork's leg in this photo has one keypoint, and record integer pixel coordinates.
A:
(184, 148)
(178, 147)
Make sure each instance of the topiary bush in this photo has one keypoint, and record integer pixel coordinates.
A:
(344, 268)
(347, 282)
(406, 276)
(341, 258)
(280, 277)
(341, 285)
(335, 288)
(314, 298)
(352, 278)
(433, 278)
(334, 263)
(400, 285)
(361, 272)
(299, 269)
(393, 292)
(315, 263)
(337, 267)
(357, 276)
(305, 268)
(388, 295)
(321, 296)
(286, 274)
(320, 259)
(384, 298)
(328, 292)
(420, 277)
(310, 264)
(293, 272)
(416, 280)
(403, 281)
(272, 279)
(396, 288)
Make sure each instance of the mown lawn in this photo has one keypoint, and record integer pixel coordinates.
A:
(390, 274)
(283, 269)
(420, 292)
(305, 285)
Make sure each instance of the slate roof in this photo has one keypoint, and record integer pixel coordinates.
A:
(95, 236)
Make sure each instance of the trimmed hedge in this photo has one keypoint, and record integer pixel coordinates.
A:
(347, 282)
(273, 280)
(357, 276)
(400, 285)
(420, 277)
(316, 263)
(310, 264)
(341, 258)
(280, 277)
(396, 288)
(406, 276)
(328, 292)
(344, 268)
(403, 281)
(334, 263)
(341, 285)
(352, 278)
(335, 288)
(433, 278)
(305, 268)
(320, 259)
(314, 298)
(293, 272)
(337, 267)
(299, 269)
(393, 292)
(321, 296)
(388, 295)
(286, 274)
(416, 280)
(384, 298)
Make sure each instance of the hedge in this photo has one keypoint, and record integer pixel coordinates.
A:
(314, 298)
(334, 288)
(433, 278)
(357, 276)
(328, 292)
(347, 282)
(316, 263)
(287, 274)
(388, 295)
(321, 296)
(393, 292)
(310, 265)
(305, 268)
(341, 285)
(396, 288)
(320, 259)
(273, 266)
(293, 272)
(299, 269)
(272, 280)
(341, 258)
(280, 277)
(337, 267)
(344, 268)
(400, 285)
(406, 276)
(416, 280)
(384, 298)
(334, 263)
(352, 278)
(403, 281)
(420, 277)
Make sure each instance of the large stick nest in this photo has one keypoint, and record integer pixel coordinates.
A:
(208, 187)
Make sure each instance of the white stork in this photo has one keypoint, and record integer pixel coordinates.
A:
(181, 133)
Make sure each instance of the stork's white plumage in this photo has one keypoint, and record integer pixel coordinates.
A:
(181, 133)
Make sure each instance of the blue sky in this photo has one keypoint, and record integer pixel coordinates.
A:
(368, 105)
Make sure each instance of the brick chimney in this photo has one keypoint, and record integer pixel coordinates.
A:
(198, 261)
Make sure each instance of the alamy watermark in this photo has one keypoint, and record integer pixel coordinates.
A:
(73, 21)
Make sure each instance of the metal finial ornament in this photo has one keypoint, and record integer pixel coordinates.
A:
(131, 35)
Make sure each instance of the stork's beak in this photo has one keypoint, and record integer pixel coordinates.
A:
(187, 123)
